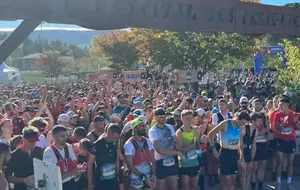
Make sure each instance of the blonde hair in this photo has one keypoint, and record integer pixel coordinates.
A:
(186, 112)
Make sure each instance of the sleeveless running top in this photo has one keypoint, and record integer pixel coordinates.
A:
(248, 137)
(191, 155)
(230, 138)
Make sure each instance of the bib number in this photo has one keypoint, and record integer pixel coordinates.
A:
(232, 143)
(286, 131)
(167, 162)
(108, 171)
(261, 139)
(191, 154)
(137, 183)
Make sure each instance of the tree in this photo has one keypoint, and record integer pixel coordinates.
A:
(117, 49)
(201, 51)
(86, 64)
(289, 77)
(187, 50)
(51, 63)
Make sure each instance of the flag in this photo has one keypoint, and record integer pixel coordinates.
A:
(259, 64)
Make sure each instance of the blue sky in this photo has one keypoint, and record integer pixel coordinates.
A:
(278, 2)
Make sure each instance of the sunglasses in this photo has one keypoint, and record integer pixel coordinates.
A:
(162, 116)
(244, 102)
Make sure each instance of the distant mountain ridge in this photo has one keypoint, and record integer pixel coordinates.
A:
(70, 34)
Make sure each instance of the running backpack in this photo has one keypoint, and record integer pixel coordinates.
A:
(220, 117)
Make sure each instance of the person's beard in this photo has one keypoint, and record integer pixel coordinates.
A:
(141, 133)
(244, 107)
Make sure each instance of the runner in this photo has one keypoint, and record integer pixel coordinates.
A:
(189, 143)
(261, 154)
(273, 143)
(98, 125)
(20, 172)
(4, 158)
(212, 161)
(105, 154)
(61, 153)
(286, 122)
(163, 138)
(249, 133)
(230, 152)
(139, 158)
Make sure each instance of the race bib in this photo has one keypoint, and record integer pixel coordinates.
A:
(108, 171)
(137, 183)
(232, 143)
(168, 162)
(261, 139)
(286, 131)
(192, 154)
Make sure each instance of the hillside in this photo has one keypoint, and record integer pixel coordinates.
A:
(65, 33)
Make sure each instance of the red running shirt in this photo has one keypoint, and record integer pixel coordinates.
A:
(288, 126)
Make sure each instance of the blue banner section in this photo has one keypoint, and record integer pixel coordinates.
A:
(259, 64)
(275, 49)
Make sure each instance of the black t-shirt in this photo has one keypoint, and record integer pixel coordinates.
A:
(21, 165)
(106, 158)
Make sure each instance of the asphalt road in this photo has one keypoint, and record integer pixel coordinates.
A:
(269, 185)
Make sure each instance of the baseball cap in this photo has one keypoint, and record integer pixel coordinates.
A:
(244, 99)
(138, 101)
(138, 112)
(160, 111)
(31, 134)
(115, 99)
(204, 93)
(288, 94)
(63, 117)
(199, 112)
(66, 107)
(177, 112)
(99, 118)
(136, 122)
(71, 114)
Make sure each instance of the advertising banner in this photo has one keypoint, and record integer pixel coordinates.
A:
(187, 76)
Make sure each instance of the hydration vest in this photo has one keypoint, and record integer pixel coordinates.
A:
(220, 117)
(62, 163)
(141, 155)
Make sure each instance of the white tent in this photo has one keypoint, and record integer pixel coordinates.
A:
(8, 74)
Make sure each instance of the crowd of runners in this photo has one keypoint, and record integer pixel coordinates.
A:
(149, 135)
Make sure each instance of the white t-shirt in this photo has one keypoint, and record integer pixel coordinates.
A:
(145, 167)
(215, 118)
(164, 135)
(215, 122)
(50, 157)
(43, 142)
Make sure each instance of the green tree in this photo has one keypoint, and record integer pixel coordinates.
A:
(202, 51)
(289, 77)
(117, 49)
